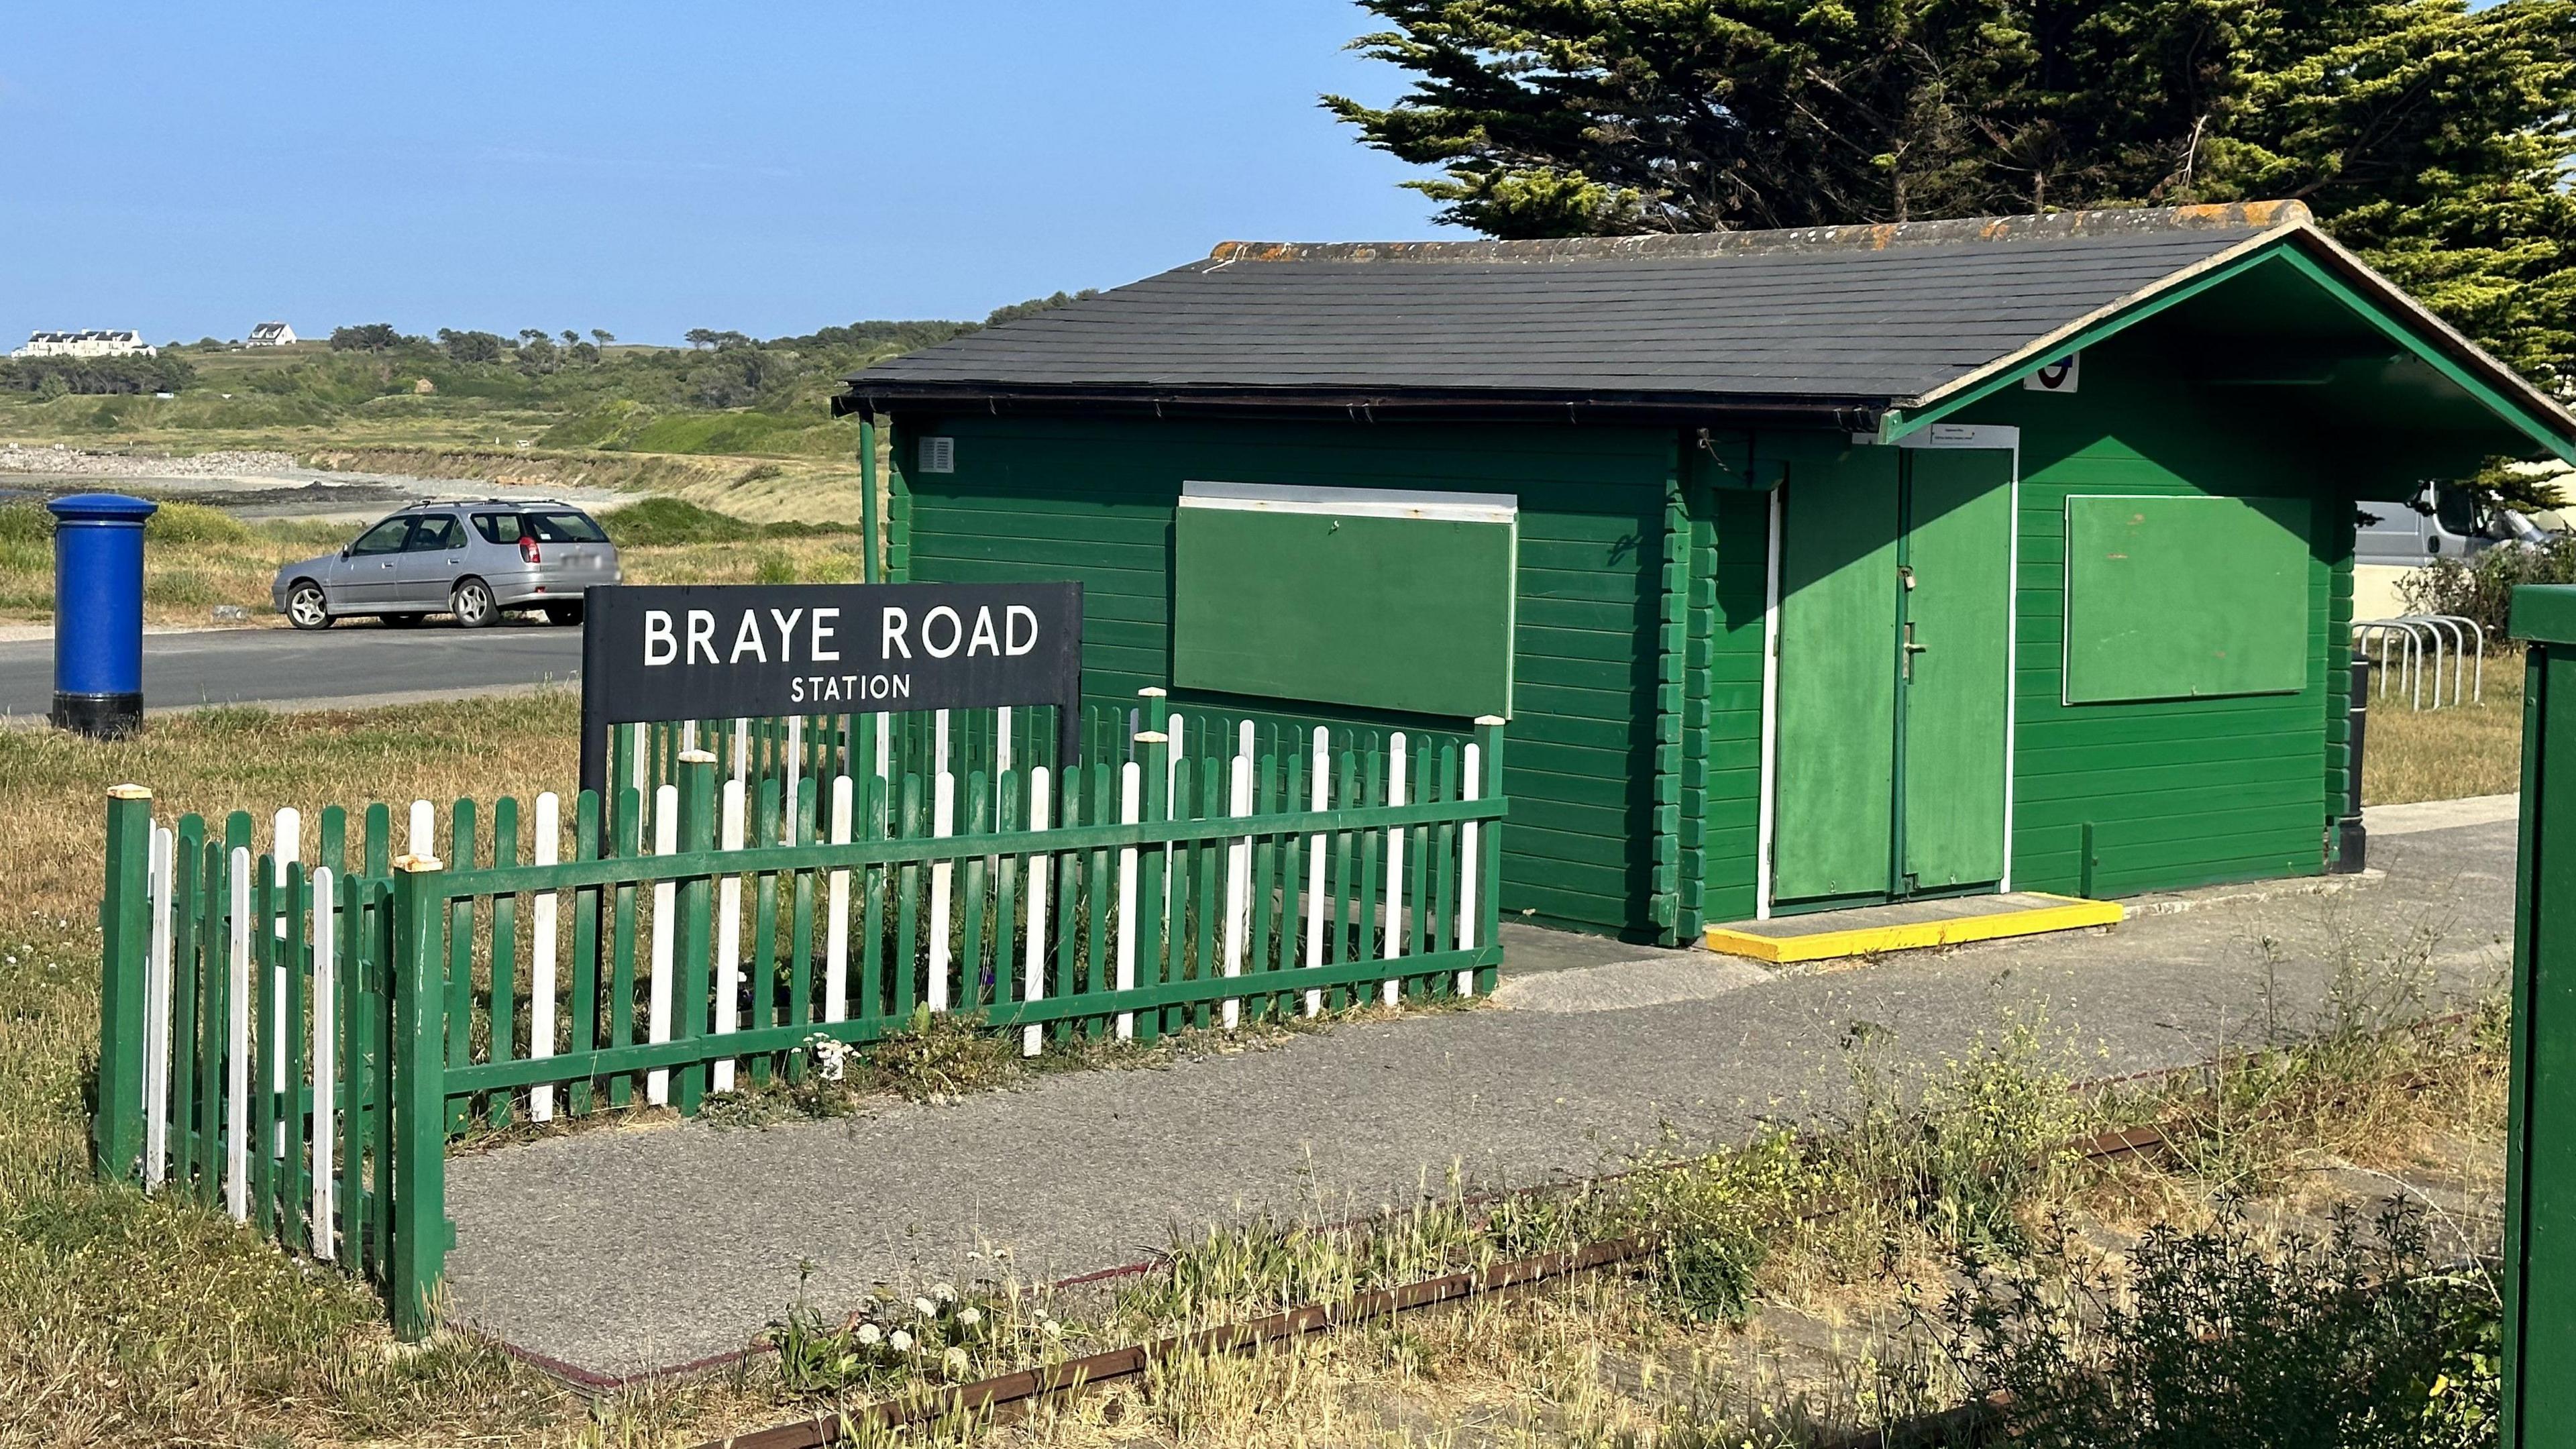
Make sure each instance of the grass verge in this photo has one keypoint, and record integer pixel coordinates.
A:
(196, 559)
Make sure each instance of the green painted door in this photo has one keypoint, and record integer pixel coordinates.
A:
(1895, 579)
(1958, 555)
(1833, 787)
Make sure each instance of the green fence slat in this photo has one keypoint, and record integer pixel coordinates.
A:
(503, 951)
(764, 926)
(800, 917)
(907, 929)
(215, 902)
(621, 941)
(458, 1014)
(187, 909)
(587, 904)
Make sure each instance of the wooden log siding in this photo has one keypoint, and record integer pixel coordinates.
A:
(1094, 500)
(306, 1036)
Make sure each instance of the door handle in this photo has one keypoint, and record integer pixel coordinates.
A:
(1912, 649)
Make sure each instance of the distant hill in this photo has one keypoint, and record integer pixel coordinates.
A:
(726, 393)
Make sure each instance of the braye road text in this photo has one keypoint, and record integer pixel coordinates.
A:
(729, 651)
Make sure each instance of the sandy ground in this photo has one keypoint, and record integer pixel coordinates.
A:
(253, 486)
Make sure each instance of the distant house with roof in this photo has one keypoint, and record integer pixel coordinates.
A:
(270, 334)
(89, 342)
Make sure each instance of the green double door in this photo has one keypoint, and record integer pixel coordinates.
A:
(1894, 621)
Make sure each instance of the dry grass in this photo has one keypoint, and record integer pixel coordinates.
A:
(2448, 753)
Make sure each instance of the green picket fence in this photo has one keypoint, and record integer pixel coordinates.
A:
(742, 921)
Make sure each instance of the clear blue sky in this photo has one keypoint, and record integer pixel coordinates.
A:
(652, 167)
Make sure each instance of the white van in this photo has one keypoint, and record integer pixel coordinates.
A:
(2442, 521)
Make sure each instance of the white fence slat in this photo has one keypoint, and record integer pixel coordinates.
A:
(1001, 740)
(541, 955)
(939, 742)
(326, 1042)
(1393, 914)
(639, 778)
(731, 830)
(741, 749)
(1173, 737)
(885, 750)
(420, 839)
(666, 841)
(796, 758)
(1033, 980)
(1131, 808)
(1238, 878)
(836, 920)
(286, 845)
(1467, 862)
(1320, 794)
(156, 1011)
(943, 823)
(237, 1046)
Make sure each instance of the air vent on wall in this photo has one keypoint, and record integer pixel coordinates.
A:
(939, 455)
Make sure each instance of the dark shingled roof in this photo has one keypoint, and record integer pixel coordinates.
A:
(1863, 316)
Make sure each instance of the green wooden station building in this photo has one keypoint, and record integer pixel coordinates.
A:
(1811, 569)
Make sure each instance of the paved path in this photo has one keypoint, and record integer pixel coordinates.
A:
(352, 663)
(619, 1250)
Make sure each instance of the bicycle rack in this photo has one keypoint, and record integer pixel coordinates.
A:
(2463, 638)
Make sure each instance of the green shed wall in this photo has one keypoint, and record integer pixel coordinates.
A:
(2179, 792)
(1093, 500)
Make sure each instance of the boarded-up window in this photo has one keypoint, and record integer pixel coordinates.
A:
(2182, 598)
(1351, 596)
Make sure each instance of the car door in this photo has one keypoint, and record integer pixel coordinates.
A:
(364, 581)
(425, 572)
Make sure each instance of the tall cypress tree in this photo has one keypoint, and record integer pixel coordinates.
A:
(2434, 140)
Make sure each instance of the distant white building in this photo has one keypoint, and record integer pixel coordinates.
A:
(270, 334)
(91, 342)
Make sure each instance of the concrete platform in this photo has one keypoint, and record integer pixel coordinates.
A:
(1908, 925)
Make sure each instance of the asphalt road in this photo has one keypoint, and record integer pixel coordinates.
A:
(351, 662)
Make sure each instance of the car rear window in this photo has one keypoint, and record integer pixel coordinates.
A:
(497, 527)
(564, 527)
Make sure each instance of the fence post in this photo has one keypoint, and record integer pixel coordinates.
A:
(696, 995)
(417, 1096)
(1489, 744)
(125, 925)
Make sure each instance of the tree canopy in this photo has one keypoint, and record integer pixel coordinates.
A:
(2434, 140)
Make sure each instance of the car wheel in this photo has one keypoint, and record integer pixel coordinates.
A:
(306, 608)
(566, 615)
(399, 621)
(472, 605)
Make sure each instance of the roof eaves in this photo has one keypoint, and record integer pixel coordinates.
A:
(1912, 414)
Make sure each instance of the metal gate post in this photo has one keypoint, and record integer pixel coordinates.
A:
(2540, 1145)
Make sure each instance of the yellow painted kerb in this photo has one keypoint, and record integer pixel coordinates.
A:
(2064, 913)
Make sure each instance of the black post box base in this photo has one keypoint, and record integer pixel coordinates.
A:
(100, 716)
(2352, 855)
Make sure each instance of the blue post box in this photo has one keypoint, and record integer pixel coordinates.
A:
(98, 612)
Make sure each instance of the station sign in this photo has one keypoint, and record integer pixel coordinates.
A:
(734, 651)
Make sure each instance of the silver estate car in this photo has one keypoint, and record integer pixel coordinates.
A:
(473, 560)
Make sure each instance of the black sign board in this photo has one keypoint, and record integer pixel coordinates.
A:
(731, 651)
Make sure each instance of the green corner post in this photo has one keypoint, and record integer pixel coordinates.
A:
(869, 571)
(418, 1092)
(1489, 844)
(2540, 1144)
(125, 926)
